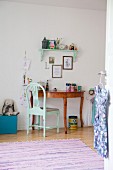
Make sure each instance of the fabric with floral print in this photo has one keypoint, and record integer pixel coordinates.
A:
(100, 121)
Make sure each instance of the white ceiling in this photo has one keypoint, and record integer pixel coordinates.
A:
(84, 4)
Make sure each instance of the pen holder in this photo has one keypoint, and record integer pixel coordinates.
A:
(79, 88)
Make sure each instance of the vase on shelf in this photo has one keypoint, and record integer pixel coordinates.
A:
(44, 43)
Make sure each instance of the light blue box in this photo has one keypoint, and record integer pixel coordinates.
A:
(8, 124)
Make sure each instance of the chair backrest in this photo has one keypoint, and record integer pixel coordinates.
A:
(34, 104)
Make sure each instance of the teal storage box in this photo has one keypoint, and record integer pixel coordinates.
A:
(8, 124)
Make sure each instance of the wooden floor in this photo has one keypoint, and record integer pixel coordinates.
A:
(85, 134)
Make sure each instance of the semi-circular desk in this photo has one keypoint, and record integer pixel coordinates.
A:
(65, 95)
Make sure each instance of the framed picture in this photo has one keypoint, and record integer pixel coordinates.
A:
(67, 62)
(51, 60)
(56, 71)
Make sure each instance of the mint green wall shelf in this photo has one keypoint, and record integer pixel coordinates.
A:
(56, 50)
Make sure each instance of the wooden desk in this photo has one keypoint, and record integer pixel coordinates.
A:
(65, 95)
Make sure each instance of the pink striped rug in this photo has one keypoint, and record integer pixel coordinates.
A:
(70, 154)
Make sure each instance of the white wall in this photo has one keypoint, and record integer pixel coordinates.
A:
(23, 26)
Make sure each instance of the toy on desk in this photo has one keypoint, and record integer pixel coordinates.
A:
(55, 89)
(8, 108)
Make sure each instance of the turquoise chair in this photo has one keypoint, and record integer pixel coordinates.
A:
(38, 108)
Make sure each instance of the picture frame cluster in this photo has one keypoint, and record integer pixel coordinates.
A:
(67, 64)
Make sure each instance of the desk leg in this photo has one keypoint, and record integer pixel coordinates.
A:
(65, 115)
(81, 107)
(33, 121)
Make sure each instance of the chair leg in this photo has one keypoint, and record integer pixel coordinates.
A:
(38, 122)
(58, 122)
(28, 123)
(44, 127)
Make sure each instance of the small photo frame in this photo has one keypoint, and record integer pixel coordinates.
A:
(56, 71)
(67, 62)
(51, 60)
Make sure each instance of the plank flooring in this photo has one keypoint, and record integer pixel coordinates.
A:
(85, 134)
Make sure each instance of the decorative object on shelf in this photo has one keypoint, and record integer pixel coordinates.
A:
(51, 60)
(44, 43)
(56, 71)
(67, 62)
(76, 48)
(51, 44)
(62, 46)
(58, 42)
(73, 47)
(66, 47)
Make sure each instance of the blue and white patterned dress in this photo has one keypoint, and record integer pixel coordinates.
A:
(100, 121)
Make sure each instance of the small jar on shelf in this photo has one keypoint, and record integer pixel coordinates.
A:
(68, 87)
(72, 87)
